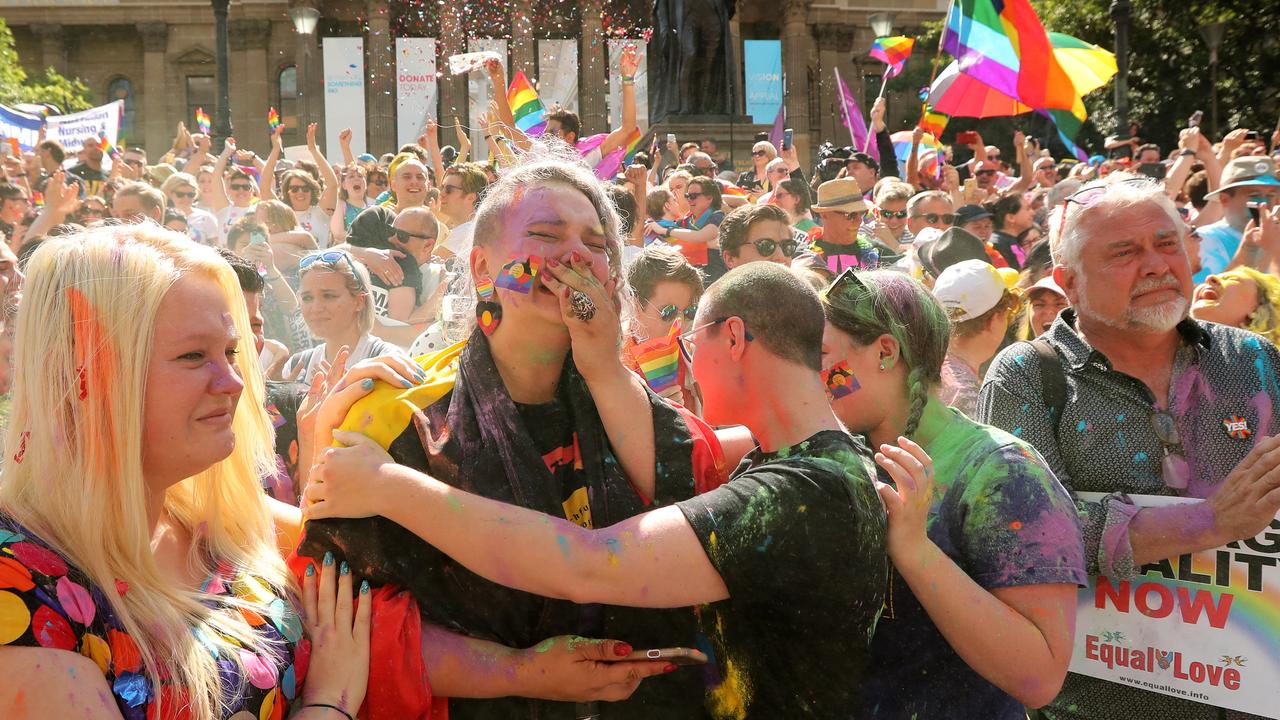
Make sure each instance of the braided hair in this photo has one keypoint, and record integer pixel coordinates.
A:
(867, 305)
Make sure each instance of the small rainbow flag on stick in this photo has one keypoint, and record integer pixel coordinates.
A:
(892, 51)
(108, 149)
(526, 106)
(202, 121)
(933, 122)
(659, 361)
(273, 120)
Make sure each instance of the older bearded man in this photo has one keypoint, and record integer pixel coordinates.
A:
(1125, 394)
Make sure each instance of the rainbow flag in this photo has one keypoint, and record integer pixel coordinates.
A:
(526, 107)
(927, 153)
(273, 120)
(108, 149)
(519, 274)
(618, 158)
(659, 360)
(893, 52)
(1003, 44)
(933, 122)
(202, 121)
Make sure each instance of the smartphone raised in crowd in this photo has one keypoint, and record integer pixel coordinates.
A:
(1196, 117)
(1154, 170)
(786, 138)
(257, 238)
(1255, 211)
(676, 655)
(968, 137)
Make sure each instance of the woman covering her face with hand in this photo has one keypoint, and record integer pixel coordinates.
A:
(987, 553)
(535, 408)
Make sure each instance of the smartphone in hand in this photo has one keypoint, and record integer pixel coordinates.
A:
(968, 137)
(787, 136)
(1196, 117)
(676, 655)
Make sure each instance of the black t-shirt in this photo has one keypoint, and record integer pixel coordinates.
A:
(282, 402)
(550, 426)
(91, 181)
(798, 536)
(372, 229)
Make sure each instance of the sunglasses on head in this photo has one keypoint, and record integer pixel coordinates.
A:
(766, 248)
(894, 214)
(933, 218)
(669, 312)
(331, 258)
(242, 187)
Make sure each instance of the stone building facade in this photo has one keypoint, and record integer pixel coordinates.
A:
(158, 56)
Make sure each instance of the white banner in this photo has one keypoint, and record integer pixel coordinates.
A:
(344, 92)
(416, 86)
(21, 126)
(557, 82)
(1205, 627)
(478, 92)
(72, 130)
(615, 84)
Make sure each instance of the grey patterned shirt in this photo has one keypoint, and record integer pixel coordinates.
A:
(1225, 395)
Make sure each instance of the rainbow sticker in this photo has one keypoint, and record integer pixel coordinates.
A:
(484, 288)
(518, 275)
(839, 380)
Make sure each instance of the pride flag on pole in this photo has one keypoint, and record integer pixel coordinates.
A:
(273, 121)
(203, 123)
(893, 52)
(933, 122)
(526, 106)
(108, 149)
(779, 121)
(1003, 44)
(853, 118)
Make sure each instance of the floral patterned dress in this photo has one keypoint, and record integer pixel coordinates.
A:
(47, 602)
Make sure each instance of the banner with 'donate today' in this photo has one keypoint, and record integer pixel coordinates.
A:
(1205, 627)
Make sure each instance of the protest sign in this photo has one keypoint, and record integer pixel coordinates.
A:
(72, 131)
(21, 126)
(1204, 626)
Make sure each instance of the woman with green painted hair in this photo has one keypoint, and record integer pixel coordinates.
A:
(980, 613)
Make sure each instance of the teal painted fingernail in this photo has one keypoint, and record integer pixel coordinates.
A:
(367, 383)
(328, 558)
(406, 383)
(344, 569)
(364, 587)
(311, 570)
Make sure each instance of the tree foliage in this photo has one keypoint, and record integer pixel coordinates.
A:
(69, 94)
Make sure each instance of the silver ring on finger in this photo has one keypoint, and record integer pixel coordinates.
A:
(581, 306)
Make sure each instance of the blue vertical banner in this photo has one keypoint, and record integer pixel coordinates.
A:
(762, 60)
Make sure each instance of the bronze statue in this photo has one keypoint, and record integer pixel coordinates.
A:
(690, 58)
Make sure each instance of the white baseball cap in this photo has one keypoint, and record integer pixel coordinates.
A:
(968, 289)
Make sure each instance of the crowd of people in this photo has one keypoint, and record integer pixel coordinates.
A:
(418, 435)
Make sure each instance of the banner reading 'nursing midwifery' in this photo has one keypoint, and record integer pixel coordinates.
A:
(1204, 627)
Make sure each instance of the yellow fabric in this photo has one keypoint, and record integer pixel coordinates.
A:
(385, 412)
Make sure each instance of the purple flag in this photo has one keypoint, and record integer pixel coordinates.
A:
(775, 135)
(853, 119)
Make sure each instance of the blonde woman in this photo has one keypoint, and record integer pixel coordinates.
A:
(180, 191)
(138, 556)
(337, 306)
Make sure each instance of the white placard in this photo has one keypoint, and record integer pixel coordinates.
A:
(558, 73)
(615, 84)
(1203, 626)
(416, 86)
(72, 130)
(478, 92)
(344, 92)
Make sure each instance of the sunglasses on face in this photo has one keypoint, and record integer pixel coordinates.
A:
(132, 163)
(93, 212)
(405, 236)
(855, 215)
(687, 344)
(330, 258)
(766, 248)
(298, 189)
(377, 180)
(446, 189)
(241, 187)
(692, 196)
(669, 312)
(186, 194)
(985, 172)
(934, 218)
(894, 214)
(758, 153)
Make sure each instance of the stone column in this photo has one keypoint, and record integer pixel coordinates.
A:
(737, 68)
(524, 48)
(453, 88)
(797, 48)
(834, 44)
(53, 46)
(251, 82)
(593, 79)
(380, 69)
(157, 132)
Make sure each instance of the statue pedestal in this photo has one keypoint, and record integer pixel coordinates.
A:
(733, 135)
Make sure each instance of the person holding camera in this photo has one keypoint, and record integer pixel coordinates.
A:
(1248, 182)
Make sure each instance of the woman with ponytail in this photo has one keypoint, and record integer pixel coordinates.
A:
(139, 569)
(980, 613)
